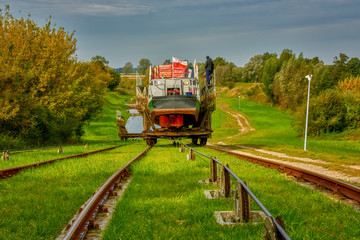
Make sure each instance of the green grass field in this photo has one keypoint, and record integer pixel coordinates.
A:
(165, 201)
(104, 128)
(274, 131)
(37, 203)
(39, 155)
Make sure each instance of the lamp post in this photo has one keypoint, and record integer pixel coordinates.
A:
(239, 102)
(308, 77)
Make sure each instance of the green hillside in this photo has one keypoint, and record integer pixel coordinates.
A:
(104, 127)
(274, 131)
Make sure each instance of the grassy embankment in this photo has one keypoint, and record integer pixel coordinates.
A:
(274, 131)
(29, 157)
(104, 127)
(37, 203)
(164, 201)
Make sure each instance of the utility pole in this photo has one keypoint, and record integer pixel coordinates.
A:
(308, 77)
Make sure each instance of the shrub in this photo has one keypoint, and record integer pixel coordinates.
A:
(327, 113)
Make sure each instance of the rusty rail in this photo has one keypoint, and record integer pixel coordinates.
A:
(81, 225)
(18, 150)
(8, 172)
(337, 186)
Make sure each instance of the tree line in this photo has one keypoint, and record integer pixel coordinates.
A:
(47, 95)
(335, 94)
(335, 89)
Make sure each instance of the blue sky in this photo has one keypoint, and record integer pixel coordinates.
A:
(128, 30)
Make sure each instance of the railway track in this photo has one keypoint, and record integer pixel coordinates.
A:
(86, 216)
(336, 186)
(8, 172)
(85, 219)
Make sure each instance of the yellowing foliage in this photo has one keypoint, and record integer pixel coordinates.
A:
(46, 94)
(351, 84)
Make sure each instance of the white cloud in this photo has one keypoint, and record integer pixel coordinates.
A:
(84, 7)
(118, 9)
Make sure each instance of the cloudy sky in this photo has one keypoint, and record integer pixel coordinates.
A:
(128, 30)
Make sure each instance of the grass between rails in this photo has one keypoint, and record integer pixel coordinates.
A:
(104, 128)
(37, 203)
(273, 130)
(164, 201)
(29, 157)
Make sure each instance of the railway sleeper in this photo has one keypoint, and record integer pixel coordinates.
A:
(242, 214)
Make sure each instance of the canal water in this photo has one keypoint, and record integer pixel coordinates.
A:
(135, 123)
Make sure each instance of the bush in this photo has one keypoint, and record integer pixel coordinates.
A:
(327, 113)
(350, 88)
(7, 142)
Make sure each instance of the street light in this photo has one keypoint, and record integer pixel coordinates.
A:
(308, 77)
(239, 102)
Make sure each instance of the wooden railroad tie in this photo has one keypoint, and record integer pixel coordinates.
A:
(60, 150)
(6, 155)
(214, 178)
(242, 209)
(182, 148)
(213, 171)
(270, 230)
(242, 214)
(225, 182)
(191, 155)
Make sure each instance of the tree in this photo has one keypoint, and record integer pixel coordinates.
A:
(286, 55)
(289, 83)
(227, 73)
(115, 79)
(47, 95)
(350, 88)
(271, 68)
(339, 70)
(219, 61)
(143, 65)
(322, 79)
(167, 62)
(127, 69)
(101, 59)
(353, 67)
(252, 70)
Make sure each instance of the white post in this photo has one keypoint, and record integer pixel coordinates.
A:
(239, 102)
(307, 109)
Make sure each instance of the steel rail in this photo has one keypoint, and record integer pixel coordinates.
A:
(201, 153)
(338, 187)
(79, 228)
(50, 147)
(279, 228)
(263, 208)
(8, 172)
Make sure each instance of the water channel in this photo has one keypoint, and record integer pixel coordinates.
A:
(135, 122)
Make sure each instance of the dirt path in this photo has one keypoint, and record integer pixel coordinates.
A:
(305, 163)
(244, 125)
